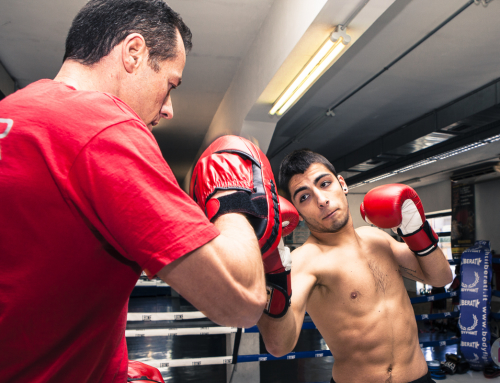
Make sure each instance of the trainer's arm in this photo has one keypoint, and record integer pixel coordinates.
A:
(280, 335)
(432, 269)
(224, 278)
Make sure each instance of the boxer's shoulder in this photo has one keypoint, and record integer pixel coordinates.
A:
(371, 232)
(373, 236)
(303, 252)
(305, 255)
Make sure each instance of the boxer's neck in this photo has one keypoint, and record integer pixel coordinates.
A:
(345, 234)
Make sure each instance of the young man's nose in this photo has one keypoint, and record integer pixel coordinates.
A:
(322, 199)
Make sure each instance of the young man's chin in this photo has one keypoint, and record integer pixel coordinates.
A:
(339, 225)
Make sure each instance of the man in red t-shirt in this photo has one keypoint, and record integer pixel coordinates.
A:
(88, 202)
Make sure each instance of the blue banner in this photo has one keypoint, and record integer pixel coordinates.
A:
(475, 297)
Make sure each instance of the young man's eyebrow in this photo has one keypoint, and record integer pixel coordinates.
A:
(316, 180)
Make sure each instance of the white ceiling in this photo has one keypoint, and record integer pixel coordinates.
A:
(223, 31)
(458, 59)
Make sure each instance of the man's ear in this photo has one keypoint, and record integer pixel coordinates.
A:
(134, 52)
(343, 184)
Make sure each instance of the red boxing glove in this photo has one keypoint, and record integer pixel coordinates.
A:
(234, 163)
(399, 208)
(142, 373)
(278, 264)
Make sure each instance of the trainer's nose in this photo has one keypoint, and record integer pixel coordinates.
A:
(167, 111)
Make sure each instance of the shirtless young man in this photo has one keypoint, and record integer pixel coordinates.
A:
(350, 281)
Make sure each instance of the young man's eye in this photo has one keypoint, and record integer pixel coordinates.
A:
(325, 184)
(303, 197)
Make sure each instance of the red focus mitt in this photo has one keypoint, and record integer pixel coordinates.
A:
(399, 208)
(234, 163)
(142, 373)
(278, 264)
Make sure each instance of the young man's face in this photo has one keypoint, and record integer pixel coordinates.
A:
(320, 199)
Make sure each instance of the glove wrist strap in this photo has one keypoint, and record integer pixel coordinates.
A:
(423, 241)
(278, 286)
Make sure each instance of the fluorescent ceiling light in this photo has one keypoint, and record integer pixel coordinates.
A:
(493, 139)
(430, 160)
(322, 59)
(415, 165)
(462, 149)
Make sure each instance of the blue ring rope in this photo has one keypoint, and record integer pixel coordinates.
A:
(312, 326)
(323, 353)
(432, 298)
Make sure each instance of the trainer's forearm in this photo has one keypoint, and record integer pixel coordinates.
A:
(436, 269)
(238, 249)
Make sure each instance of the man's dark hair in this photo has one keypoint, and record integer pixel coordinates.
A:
(102, 24)
(297, 162)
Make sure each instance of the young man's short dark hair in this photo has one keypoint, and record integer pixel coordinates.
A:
(102, 24)
(297, 162)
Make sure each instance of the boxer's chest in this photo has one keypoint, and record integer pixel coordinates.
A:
(359, 280)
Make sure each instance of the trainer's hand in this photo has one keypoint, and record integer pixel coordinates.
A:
(398, 207)
(278, 265)
(234, 163)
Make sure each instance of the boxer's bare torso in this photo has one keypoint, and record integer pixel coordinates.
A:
(350, 281)
(358, 301)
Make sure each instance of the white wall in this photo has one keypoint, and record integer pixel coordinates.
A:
(286, 23)
(435, 197)
(7, 85)
(354, 203)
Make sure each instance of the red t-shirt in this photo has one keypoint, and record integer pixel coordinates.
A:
(87, 203)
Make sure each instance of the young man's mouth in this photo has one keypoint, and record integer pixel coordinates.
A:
(329, 215)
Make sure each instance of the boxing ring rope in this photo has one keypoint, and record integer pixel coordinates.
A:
(146, 317)
(151, 317)
(254, 329)
(180, 331)
(163, 364)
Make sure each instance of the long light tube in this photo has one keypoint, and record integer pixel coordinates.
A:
(325, 55)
